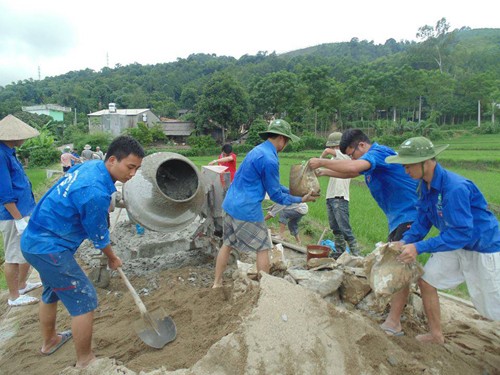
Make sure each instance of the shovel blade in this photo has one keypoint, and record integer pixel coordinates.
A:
(164, 333)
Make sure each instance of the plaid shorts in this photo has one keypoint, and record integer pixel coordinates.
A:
(245, 235)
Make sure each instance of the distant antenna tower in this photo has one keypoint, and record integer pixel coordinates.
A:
(107, 59)
(39, 74)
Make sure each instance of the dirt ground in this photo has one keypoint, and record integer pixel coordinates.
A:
(246, 328)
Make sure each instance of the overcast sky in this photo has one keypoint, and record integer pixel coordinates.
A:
(61, 36)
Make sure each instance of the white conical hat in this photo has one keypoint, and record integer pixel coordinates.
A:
(13, 129)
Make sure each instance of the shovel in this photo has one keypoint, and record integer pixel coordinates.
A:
(156, 329)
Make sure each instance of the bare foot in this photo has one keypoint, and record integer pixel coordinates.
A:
(85, 363)
(53, 342)
(215, 286)
(430, 339)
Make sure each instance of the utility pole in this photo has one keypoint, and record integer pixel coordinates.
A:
(74, 120)
(315, 122)
(420, 109)
(493, 105)
(478, 113)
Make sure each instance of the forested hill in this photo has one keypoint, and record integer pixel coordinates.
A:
(446, 73)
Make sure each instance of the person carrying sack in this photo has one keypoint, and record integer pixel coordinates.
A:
(467, 247)
(244, 227)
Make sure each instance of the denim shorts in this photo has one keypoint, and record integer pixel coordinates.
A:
(64, 280)
(291, 219)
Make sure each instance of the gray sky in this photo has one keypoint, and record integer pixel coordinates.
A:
(61, 36)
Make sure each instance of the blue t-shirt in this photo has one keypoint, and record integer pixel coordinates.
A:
(393, 190)
(15, 186)
(74, 209)
(456, 207)
(259, 173)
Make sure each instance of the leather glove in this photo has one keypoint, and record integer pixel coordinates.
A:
(21, 225)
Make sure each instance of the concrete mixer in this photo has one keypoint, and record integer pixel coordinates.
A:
(169, 194)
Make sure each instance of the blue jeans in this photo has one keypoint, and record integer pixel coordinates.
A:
(292, 219)
(338, 217)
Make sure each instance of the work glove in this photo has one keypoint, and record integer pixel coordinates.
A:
(21, 225)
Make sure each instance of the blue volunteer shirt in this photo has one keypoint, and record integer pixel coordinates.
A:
(74, 209)
(456, 207)
(15, 187)
(393, 190)
(258, 174)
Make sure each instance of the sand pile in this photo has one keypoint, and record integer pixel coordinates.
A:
(277, 328)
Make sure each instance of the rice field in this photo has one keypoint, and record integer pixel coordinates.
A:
(474, 157)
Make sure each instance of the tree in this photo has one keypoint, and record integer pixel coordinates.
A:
(223, 104)
(278, 94)
(437, 41)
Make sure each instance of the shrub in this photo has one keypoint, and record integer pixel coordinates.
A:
(141, 133)
(254, 138)
(294, 146)
(392, 140)
(100, 139)
(242, 148)
(201, 142)
(44, 157)
(487, 129)
(312, 142)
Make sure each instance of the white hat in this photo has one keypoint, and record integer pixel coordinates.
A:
(87, 147)
(13, 129)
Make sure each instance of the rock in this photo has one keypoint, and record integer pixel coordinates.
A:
(354, 289)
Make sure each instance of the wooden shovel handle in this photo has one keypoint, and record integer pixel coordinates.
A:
(137, 299)
(322, 235)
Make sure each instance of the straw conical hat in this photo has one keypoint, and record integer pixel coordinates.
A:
(13, 129)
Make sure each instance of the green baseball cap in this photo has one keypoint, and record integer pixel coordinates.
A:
(333, 139)
(415, 150)
(280, 127)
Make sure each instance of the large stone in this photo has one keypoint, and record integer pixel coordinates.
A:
(322, 282)
(354, 288)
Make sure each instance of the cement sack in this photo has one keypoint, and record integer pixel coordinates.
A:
(303, 180)
(387, 275)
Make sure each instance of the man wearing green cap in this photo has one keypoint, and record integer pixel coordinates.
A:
(467, 247)
(244, 226)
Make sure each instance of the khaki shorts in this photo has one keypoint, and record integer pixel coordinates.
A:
(481, 272)
(11, 242)
(245, 235)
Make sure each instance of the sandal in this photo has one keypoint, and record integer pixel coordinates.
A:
(65, 336)
(23, 301)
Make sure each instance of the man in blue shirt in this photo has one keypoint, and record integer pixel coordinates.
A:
(16, 204)
(392, 189)
(244, 227)
(468, 245)
(74, 209)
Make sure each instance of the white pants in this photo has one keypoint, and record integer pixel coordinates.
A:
(11, 242)
(481, 272)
